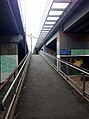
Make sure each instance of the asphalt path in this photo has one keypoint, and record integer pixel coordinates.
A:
(46, 95)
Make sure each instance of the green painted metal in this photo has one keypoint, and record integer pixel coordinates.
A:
(8, 64)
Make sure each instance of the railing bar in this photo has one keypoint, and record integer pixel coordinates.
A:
(83, 72)
(8, 78)
(8, 112)
(68, 64)
(3, 101)
(86, 93)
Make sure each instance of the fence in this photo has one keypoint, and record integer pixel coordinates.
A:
(10, 88)
(76, 76)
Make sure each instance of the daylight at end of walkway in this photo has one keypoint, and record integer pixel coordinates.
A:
(46, 95)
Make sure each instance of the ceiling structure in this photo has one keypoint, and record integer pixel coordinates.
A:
(11, 23)
(56, 8)
(10, 18)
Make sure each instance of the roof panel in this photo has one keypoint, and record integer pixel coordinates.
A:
(56, 9)
(52, 18)
(49, 22)
(55, 12)
(60, 5)
(47, 26)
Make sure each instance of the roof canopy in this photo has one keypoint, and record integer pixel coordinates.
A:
(56, 8)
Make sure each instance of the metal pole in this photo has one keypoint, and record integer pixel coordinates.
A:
(84, 81)
(31, 41)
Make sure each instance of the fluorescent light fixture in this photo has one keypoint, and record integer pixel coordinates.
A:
(60, 5)
(47, 26)
(52, 18)
(49, 22)
(55, 12)
(44, 31)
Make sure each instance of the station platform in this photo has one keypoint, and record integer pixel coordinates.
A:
(46, 95)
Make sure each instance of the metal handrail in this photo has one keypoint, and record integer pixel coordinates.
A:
(13, 83)
(65, 62)
(83, 73)
(12, 73)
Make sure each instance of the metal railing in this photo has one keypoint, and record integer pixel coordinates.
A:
(76, 76)
(10, 88)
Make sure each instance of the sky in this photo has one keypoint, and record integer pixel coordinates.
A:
(32, 15)
(32, 12)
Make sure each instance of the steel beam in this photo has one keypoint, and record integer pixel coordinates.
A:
(80, 13)
(69, 11)
(53, 15)
(49, 24)
(57, 9)
(47, 27)
(51, 20)
(61, 1)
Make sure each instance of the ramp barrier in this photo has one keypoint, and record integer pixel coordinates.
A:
(10, 88)
(78, 77)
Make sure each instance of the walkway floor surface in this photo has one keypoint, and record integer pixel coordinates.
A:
(46, 95)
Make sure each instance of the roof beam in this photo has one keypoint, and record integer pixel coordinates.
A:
(51, 20)
(57, 9)
(61, 1)
(47, 27)
(53, 15)
(49, 24)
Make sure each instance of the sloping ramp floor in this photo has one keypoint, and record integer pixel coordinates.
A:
(46, 95)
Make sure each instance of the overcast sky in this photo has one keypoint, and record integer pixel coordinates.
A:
(32, 14)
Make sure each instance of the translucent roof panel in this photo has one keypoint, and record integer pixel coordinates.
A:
(45, 29)
(49, 22)
(47, 26)
(55, 12)
(56, 9)
(60, 5)
(52, 18)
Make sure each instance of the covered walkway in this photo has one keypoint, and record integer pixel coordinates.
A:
(46, 95)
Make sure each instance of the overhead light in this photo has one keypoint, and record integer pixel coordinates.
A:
(52, 18)
(45, 26)
(49, 22)
(60, 5)
(46, 29)
(55, 12)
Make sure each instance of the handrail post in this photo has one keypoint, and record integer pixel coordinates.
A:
(57, 65)
(84, 81)
(68, 65)
(2, 106)
(67, 71)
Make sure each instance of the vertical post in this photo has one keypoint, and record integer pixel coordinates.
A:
(57, 65)
(31, 41)
(84, 85)
(58, 49)
(67, 71)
